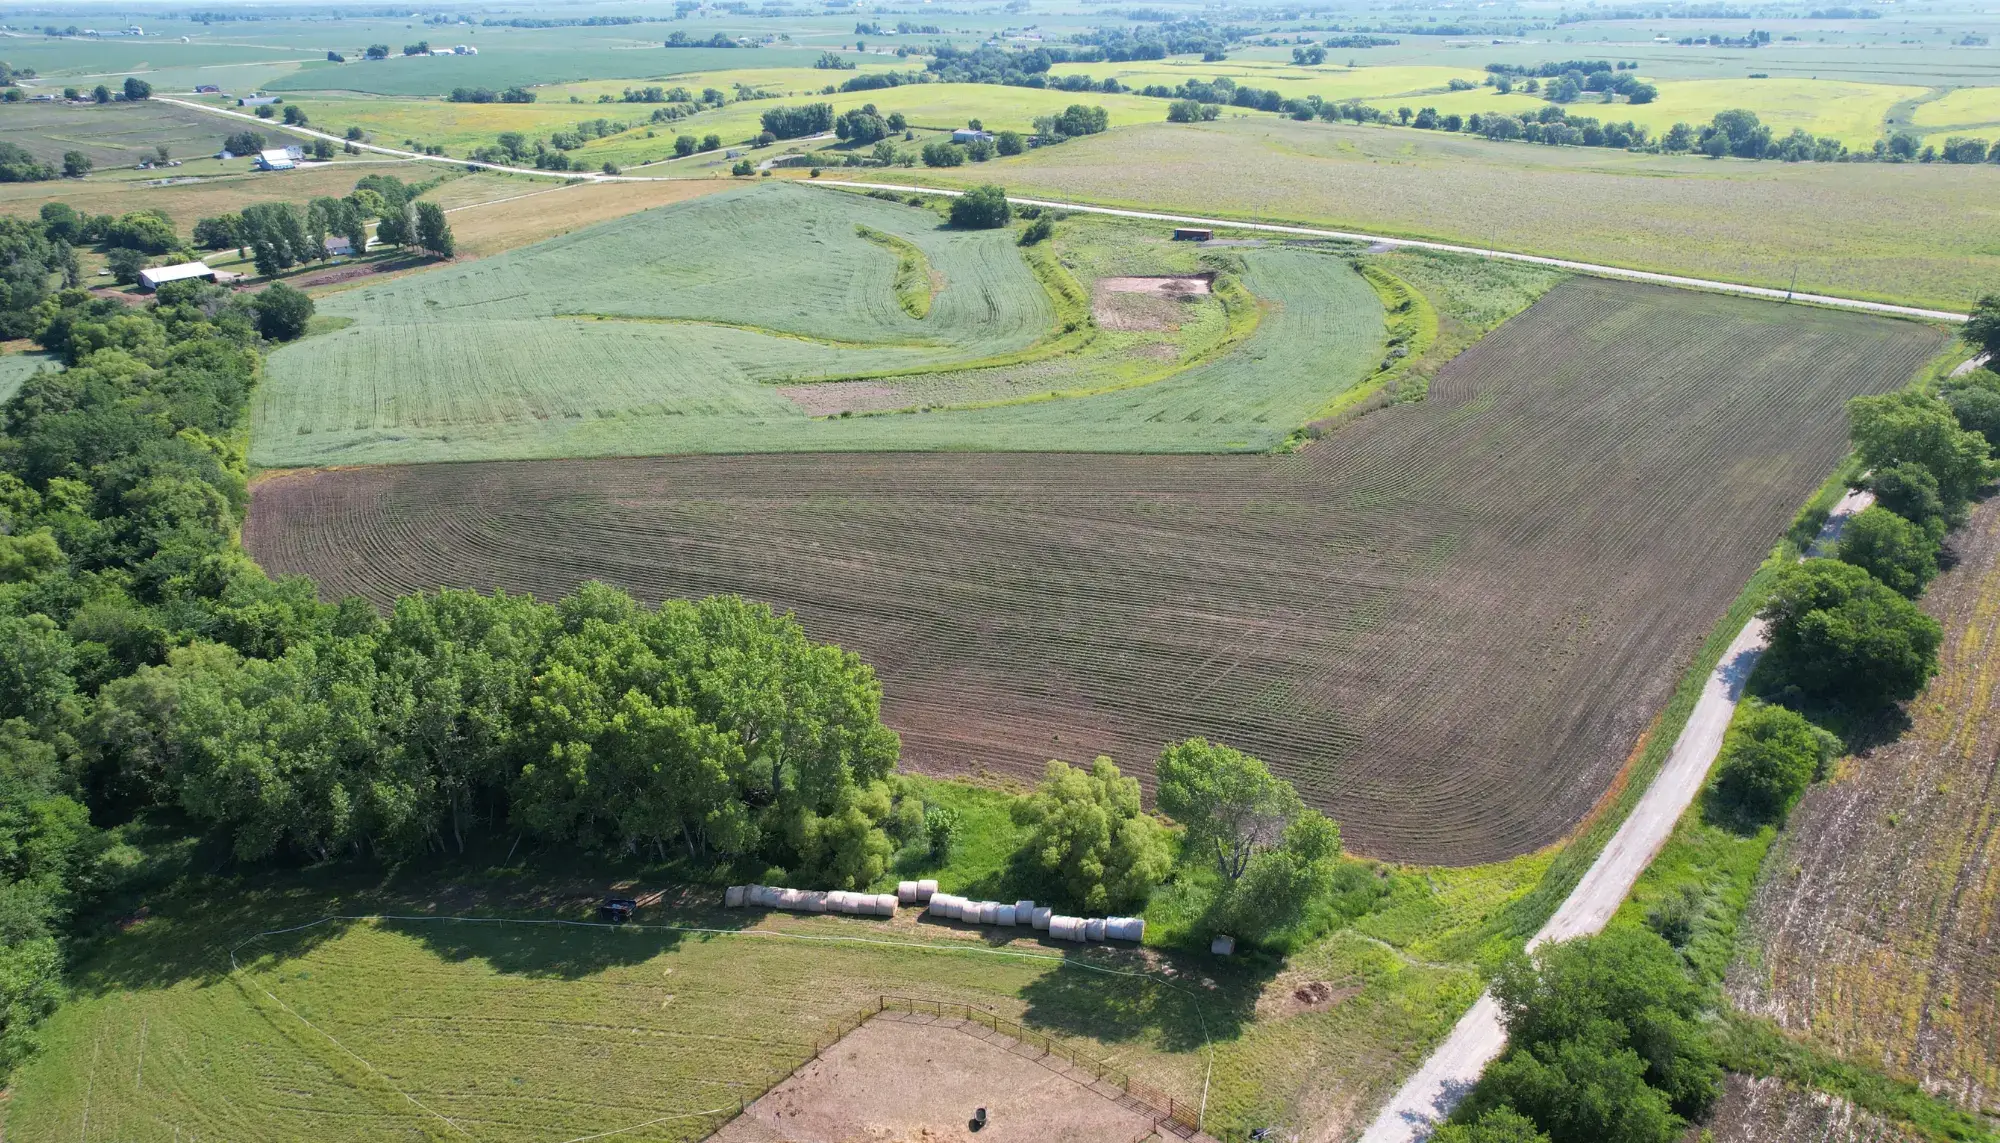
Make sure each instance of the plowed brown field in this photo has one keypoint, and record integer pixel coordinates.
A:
(1449, 622)
(1876, 931)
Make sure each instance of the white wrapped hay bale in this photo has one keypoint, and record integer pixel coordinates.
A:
(753, 896)
(885, 904)
(1223, 946)
(836, 902)
(792, 900)
(1058, 928)
(816, 902)
(1004, 915)
(1040, 918)
(989, 912)
(1023, 911)
(926, 890)
(732, 897)
(1124, 929)
(943, 905)
(906, 892)
(1094, 928)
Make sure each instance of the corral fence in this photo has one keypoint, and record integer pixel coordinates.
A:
(1166, 1112)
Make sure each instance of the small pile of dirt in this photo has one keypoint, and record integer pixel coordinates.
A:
(1179, 285)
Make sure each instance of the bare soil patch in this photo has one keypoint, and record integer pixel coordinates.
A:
(834, 397)
(1146, 303)
(1876, 930)
(903, 1079)
(1448, 623)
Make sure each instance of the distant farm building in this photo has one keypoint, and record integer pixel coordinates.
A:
(338, 245)
(1192, 234)
(275, 160)
(207, 89)
(256, 100)
(157, 276)
(970, 135)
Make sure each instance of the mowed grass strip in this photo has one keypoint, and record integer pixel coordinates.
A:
(1448, 623)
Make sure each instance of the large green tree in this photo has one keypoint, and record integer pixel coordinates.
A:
(1916, 428)
(1230, 803)
(1894, 550)
(1768, 758)
(1839, 634)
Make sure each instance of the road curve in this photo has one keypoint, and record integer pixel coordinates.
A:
(1450, 248)
(1451, 1070)
(1310, 232)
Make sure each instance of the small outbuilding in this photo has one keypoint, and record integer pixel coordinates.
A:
(154, 277)
(1192, 234)
(971, 135)
(339, 246)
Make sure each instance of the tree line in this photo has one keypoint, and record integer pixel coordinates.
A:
(1605, 1034)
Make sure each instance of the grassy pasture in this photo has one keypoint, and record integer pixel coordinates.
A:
(1448, 622)
(1861, 230)
(733, 348)
(228, 188)
(17, 367)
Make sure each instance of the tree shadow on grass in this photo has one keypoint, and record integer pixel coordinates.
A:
(1183, 1003)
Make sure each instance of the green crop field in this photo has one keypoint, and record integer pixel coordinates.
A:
(1966, 111)
(585, 345)
(502, 64)
(1860, 230)
(115, 133)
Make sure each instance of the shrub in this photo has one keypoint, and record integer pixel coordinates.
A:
(1768, 759)
(283, 312)
(1500, 1125)
(981, 208)
(1839, 634)
(1090, 845)
(942, 154)
(1910, 491)
(1894, 550)
(1009, 143)
(1040, 230)
(942, 825)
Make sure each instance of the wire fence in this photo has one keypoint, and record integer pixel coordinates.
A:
(1167, 1112)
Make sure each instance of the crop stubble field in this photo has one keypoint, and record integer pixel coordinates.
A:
(1876, 930)
(1448, 623)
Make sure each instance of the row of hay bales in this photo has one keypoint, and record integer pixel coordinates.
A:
(942, 905)
(810, 900)
(1058, 926)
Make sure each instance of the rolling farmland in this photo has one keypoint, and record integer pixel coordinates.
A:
(1869, 230)
(1874, 931)
(543, 352)
(1449, 622)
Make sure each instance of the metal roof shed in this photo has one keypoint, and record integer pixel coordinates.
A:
(154, 277)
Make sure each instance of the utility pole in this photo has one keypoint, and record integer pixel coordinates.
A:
(1789, 290)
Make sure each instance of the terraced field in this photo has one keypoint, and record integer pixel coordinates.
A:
(1874, 932)
(576, 347)
(1448, 623)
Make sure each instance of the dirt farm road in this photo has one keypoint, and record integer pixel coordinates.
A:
(1304, 231)
(1451, 1070)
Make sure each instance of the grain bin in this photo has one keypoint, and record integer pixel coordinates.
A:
(1094, 928)
(926, 890)
(732, 897)
(1004, 915)
(1040, 918)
